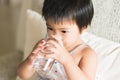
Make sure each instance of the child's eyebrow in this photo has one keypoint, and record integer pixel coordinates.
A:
(64, 28)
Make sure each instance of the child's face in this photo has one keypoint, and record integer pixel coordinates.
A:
(67, 30)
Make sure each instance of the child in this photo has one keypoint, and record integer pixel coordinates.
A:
(76, 60)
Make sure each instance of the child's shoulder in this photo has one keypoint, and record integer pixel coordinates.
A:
(87, 52)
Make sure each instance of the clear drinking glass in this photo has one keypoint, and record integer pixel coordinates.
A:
(43, 65)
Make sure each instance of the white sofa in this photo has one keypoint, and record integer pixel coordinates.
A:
(102, 36)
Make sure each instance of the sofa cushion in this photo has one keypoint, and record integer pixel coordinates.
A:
(108, 56)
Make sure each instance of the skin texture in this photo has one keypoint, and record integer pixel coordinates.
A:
(79, 66)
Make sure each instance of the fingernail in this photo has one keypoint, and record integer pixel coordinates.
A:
(42, 41)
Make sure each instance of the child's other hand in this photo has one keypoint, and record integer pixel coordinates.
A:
(57, 50)
(36, 51)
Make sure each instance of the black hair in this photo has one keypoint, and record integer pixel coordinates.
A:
(81, 11)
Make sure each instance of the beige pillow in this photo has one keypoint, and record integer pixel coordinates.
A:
(108, 56)
(35, 30)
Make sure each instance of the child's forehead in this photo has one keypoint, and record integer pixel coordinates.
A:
(62, 25)
(60, 22)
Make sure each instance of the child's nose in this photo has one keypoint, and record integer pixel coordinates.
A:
(56, 33)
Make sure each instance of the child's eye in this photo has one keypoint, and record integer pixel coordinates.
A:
(63, 31)
(50, 28)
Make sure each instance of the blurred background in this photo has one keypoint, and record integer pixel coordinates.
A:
(9, 55)
(9, 17)
(12, 34)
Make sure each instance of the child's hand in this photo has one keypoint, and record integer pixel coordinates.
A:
(56, 49)
(36, 51)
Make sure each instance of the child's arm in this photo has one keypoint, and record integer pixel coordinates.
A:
(86, 69)
(25, 69)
